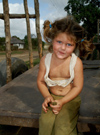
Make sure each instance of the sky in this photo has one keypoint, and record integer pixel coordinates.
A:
(49, 10)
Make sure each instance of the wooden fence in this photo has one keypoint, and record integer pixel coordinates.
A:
(6, 16)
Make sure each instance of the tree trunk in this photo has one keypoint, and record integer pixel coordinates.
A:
(28, 34)
(7, 39)
(36, 4)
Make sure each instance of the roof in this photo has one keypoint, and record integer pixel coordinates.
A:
(15, 40)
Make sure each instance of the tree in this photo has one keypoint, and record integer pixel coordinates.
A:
(86, 12)
(34, 42)
(26, 42)
(2, 40)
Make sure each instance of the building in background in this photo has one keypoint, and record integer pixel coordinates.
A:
(17, 42)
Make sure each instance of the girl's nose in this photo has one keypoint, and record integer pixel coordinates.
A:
(63, 46)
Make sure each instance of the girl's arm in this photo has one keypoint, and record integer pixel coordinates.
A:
(76, 89)
(77, 82)
(42, 85)
(40, 79)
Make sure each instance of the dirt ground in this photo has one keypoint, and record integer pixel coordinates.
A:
(24, 55)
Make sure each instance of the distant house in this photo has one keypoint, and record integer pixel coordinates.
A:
(17, 42)
(46, 46)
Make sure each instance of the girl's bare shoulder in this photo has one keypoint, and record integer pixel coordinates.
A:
(43, 58)
(79, 63)
(42, 62)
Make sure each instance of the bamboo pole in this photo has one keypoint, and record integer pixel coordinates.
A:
(28, 34)
(14, 16)
(7, 39)
(36, 4)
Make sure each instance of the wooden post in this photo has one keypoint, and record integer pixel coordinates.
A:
(98, 30)
(7, 39)
(36, 4)
(28, 34)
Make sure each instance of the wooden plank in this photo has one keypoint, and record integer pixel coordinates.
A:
(90, 95)
(19, 121)
(20, 100)
(88, 127)
(91, 64)
(19, 104)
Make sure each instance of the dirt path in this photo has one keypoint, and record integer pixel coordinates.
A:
(24, 56)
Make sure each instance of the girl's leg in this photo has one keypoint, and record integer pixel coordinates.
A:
(66, 120)
(46, 122)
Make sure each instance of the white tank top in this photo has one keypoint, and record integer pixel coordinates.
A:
(64, 82)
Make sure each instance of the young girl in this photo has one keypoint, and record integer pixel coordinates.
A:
(60, 77)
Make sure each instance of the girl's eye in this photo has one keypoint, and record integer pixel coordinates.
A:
(69, 44)
(59, 42)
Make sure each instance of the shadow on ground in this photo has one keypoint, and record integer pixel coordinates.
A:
(14, 130)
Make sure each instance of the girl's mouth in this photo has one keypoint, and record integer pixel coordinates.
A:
(61, 52)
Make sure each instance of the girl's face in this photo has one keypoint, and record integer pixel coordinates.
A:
(63, 46)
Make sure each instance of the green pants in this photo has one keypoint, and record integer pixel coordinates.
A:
(63, 123)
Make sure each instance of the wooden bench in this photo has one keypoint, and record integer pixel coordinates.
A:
(20, 100)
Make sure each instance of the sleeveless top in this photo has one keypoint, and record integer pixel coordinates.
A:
(64, 82)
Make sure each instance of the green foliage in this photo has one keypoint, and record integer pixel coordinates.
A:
(14, 48)
(16, 37)
(85, 11)
(36, 61)
(2, 40)
(95, 54)
(95, 40)
(34, 43)
(2, 48)
(26, 42)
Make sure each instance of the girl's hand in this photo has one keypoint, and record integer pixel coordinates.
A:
(47, 100)
(57, 106)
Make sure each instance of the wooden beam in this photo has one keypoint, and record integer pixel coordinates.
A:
(7, 39)
(14, 16)
(28, 34)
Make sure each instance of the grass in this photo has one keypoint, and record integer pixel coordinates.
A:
(2, 53)
(17, 52)
(35, 62)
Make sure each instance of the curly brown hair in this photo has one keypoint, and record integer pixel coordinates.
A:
(69, 26)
